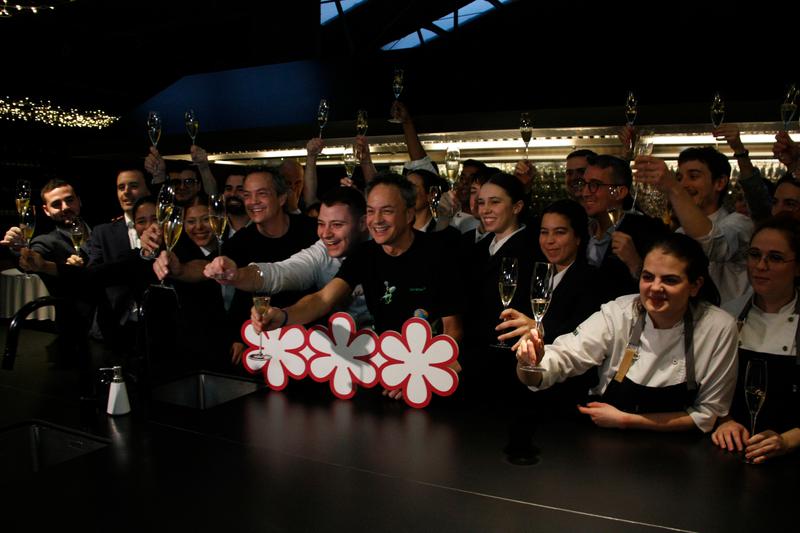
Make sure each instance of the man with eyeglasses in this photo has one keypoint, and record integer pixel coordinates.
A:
(616, 249)
(577, 162)
(696, 196)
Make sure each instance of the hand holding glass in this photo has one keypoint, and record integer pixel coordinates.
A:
(261, 304)
(541, 292)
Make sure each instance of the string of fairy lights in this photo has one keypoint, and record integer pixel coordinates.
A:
(10, 9)
(44, 112)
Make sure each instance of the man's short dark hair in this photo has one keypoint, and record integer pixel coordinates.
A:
(140, 202)
(583, 152)
(480, 165)
(406, 188)
(429, 179)
(280, 184)
(349, 196)
(716, 162)
(53, 184)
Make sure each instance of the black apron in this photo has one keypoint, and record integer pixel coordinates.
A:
(781, 409)
(631, 397)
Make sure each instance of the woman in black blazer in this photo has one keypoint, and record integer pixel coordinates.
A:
(563, 236)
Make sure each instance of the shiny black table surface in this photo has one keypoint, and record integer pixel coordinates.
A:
(300, 460)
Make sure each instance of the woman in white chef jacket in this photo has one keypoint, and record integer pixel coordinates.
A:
(666, 356)
(768, 315)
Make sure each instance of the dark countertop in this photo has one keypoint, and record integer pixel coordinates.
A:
(300, 460)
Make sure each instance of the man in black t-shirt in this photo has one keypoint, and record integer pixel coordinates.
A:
(404, 273)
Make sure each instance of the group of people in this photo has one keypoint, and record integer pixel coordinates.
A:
(648, 325)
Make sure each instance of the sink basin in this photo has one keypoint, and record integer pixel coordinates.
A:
(204, 390)
(35, 445)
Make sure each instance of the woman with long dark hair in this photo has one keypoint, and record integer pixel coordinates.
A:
(666, 356)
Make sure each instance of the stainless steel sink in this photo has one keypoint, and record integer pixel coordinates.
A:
(35, 445)
(205, 390)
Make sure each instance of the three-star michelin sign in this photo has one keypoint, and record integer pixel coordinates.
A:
(412, 360)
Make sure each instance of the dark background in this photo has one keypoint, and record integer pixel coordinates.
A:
(570, 63)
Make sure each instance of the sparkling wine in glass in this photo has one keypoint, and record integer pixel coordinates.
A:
(322, 115)
(261, 304)
(361, 122)
(631, 108)
(349, 160)
(541, 292)
(526, 130)
(789, 107)
(507, 286)
(27, 223)
(172, 229)
(397, 89)
(164, 203)
(217, 218)
(615, 215)
(755, 389)
(717, 111)
(452, 163)
(643, 146)
(154, 127)
(77, 234)
(434, 197)
(23, 196)
(192, 124)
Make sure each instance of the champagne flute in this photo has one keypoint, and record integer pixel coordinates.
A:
(541, 292)
(717, 113)
(23, 196)
(361, 122)
(349, 160)
(322, 115)
(27, 224)
(154, 127)
(507, 286)
(755, 389)
(435, 196)
(172, 228)
(77, 234)
(525, 130)
(452, 162)
(643, 146)
(789, 107)
(397, 88)
(217, 218)
(192, 124)
(261, 303)
(631, 108)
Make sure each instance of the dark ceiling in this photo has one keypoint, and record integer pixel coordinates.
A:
(524, 55)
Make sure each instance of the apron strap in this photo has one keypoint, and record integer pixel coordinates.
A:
(633, 348)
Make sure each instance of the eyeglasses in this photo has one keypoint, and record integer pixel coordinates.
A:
(755, 255)
(578, 185)
(186, 182)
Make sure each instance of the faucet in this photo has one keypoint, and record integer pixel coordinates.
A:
(10, 354)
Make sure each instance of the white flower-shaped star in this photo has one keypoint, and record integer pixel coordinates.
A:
(342, 355)
(418, 363)
(284, 346)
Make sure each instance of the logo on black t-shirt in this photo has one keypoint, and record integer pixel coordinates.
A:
(388, 294)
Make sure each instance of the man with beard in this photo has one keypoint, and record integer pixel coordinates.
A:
(234, 204)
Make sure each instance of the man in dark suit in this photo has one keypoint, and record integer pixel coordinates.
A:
(112, 242)
(615, 247)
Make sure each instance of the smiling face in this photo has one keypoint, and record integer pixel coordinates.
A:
(339, 229)
(388, 219)
(498, 212)
(787, 199)
(186, 185)
(558, 240)
(62, 205)
(261, 201)
(695, 178)
(607, 195)
(665, 289)
(772, 280)
(196, 225)
(130, 187)
(144, 217)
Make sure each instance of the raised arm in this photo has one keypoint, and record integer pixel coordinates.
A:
(200, 158)
(307, 309)
(313, 149)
